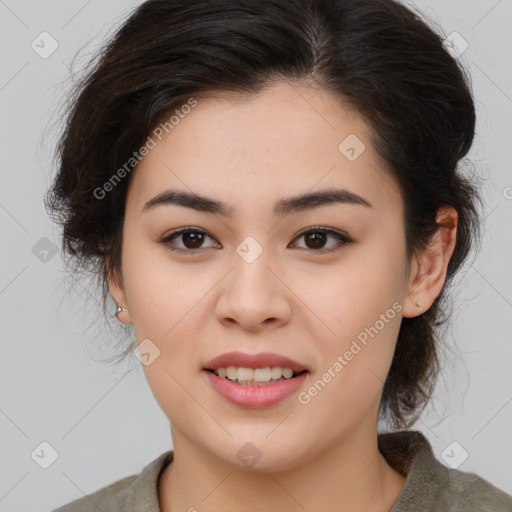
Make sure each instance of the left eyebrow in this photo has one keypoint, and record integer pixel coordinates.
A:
(283, 206)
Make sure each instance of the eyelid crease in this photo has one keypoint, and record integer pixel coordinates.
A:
(340, 235)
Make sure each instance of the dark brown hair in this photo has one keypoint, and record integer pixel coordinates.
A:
(379, 57)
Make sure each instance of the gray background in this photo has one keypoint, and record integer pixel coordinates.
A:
(102, 421)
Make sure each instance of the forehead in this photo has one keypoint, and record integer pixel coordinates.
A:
(287, 140)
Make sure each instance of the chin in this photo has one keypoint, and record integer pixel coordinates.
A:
(258, 456)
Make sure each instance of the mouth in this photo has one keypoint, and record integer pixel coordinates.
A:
(256, 376)
(255, 380)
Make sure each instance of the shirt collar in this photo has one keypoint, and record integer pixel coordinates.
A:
(408, 452)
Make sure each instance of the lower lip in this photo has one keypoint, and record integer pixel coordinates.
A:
(255, 396)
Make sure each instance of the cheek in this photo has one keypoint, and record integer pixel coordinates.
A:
(161, 293)
(355, 363)
(346, 298)
(172, 374)
(359, 306)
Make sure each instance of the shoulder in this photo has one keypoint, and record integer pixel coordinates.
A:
(130, 494)
(430, 485)
(110, 497)
(467, 492)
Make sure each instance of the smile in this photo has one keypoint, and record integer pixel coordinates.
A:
(255, 376)
(252, 393)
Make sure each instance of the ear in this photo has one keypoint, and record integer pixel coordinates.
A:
(116, 288)
(429, 265)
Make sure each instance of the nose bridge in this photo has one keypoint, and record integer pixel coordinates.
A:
(251, 267)
(252, 293)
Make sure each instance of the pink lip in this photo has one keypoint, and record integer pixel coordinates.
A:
(255, 396)
(253, 361)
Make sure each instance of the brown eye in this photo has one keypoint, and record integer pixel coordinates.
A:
(316, 238)
(191, 239)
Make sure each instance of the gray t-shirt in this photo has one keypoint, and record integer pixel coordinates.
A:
(430, 486)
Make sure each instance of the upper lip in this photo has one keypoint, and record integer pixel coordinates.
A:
(253, 361)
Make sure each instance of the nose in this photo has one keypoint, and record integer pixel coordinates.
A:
(254, 295)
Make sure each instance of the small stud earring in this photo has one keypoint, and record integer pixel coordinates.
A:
(418, 306)
(118, 310)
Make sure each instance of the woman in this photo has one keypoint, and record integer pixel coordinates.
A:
(270, 193)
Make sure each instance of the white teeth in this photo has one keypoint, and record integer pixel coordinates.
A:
(245, 373)
(261, 374)
(287, 373)
(231, 372)
(250, 375)
(276, 372)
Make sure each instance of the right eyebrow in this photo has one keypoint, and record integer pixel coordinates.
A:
(281, 207)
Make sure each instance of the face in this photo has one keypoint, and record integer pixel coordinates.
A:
(321, 283)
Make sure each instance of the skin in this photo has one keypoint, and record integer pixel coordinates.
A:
(309, 307)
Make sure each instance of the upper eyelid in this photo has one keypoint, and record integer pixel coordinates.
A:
(332, 231)
(186, 229)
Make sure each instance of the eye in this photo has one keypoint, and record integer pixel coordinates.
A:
(316, 236)
(192, 238)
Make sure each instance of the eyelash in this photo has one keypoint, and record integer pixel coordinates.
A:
(166, 240)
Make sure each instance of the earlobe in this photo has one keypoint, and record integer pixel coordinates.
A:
(117, 292)
(120, 312)
(428, 271)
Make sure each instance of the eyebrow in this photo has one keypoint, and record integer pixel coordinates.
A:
(281, 207)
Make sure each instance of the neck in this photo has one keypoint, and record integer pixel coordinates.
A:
(353, 475)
